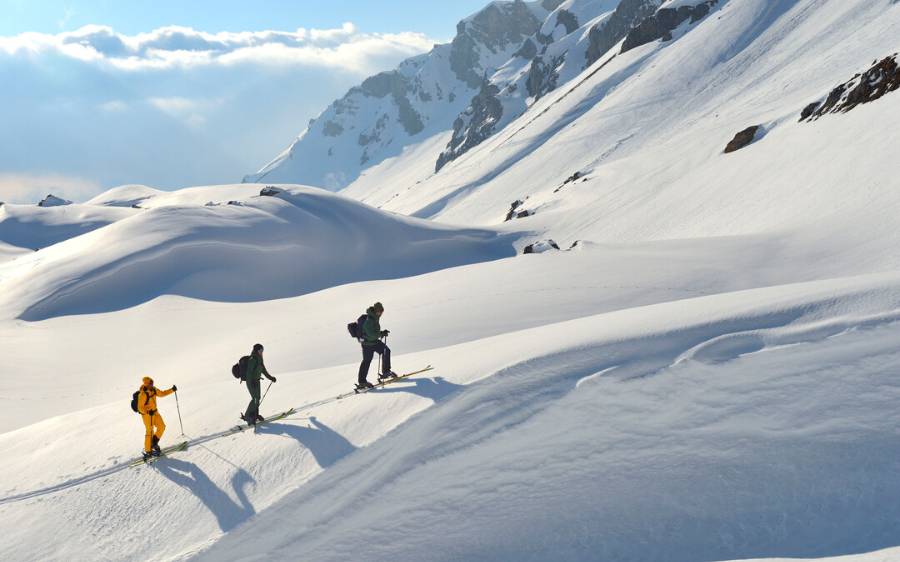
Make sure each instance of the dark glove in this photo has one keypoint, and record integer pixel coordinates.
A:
(272, 379)
(385, 332)
(152, 412)
(175, 388)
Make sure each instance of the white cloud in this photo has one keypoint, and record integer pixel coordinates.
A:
(114, 106)
(29, 188)
(182, 47)
(174, 106)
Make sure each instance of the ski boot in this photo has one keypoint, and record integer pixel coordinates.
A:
(248, 421)
(364, 385)
(387, 376)
(156, 450)
(259, 418)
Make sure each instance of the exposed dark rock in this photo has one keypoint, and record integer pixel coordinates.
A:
(484, 113)
(383, 84)
(332, 129)
(528, 50)
(410, 118)
(567, 19)
(809, 110)
(883, 77)
(573, 177)
(701, 11)
(540, 247)
(135, 206)
(543, 78)
(53, 201)
(269, 191)
(512, 210)
(663, 22)
(522, 214)
(373, 133)
(551, 5)
(543, 40)
(604, 36)
(742, 139)
(495, 27)
(395, 84)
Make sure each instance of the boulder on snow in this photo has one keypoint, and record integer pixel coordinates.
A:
(54, 201)
(742, 139)
(512, 210)
(540, 247)
(269, 191)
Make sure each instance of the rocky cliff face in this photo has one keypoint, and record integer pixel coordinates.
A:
(661, 24)
(883, 77)
(502, 60)
(628, 14)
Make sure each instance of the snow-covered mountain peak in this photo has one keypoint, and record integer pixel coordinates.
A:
(445, 102)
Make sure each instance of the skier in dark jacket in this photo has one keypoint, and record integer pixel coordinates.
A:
(255, 370)
(370, 337)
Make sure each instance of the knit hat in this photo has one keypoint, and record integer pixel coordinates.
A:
(147, 380)
(257, 347)
(378, 307)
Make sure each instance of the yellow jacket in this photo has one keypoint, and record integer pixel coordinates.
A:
(147, 398)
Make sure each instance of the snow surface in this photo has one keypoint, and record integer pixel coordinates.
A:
(709, 374)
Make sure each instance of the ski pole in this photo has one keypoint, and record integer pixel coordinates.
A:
(264, 396)
(179, 413)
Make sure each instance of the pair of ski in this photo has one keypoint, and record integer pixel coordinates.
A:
(183, 445)
(383, 383)
(163, 453)
(240, 428)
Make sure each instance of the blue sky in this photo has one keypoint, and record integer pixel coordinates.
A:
(174, 94)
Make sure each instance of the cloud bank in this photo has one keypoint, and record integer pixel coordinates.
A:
(346, 49)
(174, 107)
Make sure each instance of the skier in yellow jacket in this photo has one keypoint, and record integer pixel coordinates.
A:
(147, 407)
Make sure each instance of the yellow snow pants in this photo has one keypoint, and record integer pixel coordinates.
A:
(150, 422)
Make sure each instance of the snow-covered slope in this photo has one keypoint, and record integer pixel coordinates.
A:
(190, 243)
(645, 134)
(708, 374)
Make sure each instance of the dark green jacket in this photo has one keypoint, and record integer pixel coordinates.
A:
(256, 368)
(371, 329)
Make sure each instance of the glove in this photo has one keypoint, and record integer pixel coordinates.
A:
(152, 412)
(385, 332)
(272, 379)
(175, 388)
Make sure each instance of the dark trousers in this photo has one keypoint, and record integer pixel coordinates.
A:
(369, 352)
(253, 406)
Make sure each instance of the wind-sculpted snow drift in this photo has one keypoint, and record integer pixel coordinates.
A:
(260, 248)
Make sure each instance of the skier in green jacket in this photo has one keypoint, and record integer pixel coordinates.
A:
(255, 370)
(370, 338)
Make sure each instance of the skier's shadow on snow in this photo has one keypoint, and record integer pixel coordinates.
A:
(436, 388)
(326, 445)
(188, 475)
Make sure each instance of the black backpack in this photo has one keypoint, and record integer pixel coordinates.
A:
(134, 399)
(239, 369)
(355, 328)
